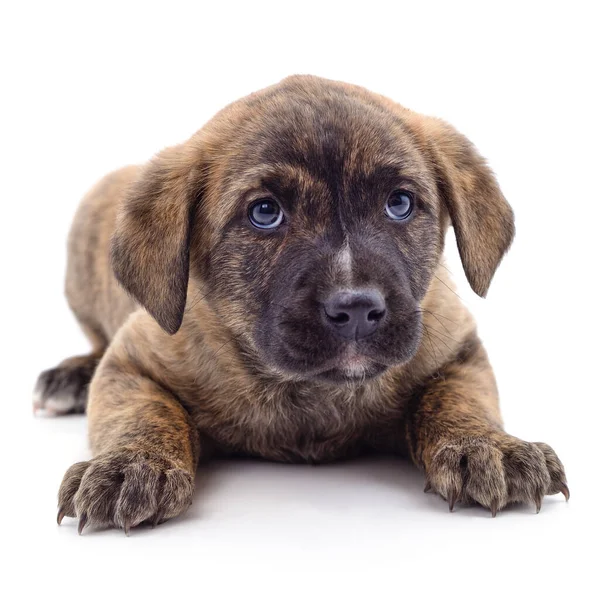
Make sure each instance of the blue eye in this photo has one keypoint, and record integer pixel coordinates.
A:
(399, 206)
(265, 214)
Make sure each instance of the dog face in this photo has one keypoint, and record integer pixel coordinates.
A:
(312, 215)
(332, 239)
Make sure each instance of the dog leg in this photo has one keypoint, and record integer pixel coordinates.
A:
(453, 431)
(146, 450)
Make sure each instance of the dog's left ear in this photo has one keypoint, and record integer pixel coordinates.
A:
(483, 220)
(150, 249)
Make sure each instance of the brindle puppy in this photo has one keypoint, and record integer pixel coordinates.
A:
(289, 261)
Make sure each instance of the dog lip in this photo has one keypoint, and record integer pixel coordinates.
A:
(343, 368)
(350, 366)
(354, 365)
(352, 358)
(336, 375)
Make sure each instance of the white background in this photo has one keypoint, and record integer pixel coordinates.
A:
(89, 87)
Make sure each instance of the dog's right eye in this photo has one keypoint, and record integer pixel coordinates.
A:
(265, 214)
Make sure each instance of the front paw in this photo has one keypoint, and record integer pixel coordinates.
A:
(495, 471)
(124, 489)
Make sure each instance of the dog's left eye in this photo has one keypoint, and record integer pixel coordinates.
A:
(399, 205)
(265, 214)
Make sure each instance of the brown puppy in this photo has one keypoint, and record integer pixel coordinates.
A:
(289, 261)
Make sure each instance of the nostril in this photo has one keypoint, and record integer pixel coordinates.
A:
(375, 315)
(339, 318)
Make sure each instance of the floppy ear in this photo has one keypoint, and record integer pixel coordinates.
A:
(483, 220)
(150, 249)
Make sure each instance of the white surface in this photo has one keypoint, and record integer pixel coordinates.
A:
(86, 90)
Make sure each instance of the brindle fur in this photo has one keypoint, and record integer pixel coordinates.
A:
(227, 354)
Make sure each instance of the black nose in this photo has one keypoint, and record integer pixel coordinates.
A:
(355, 314)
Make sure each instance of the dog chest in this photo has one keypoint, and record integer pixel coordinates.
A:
(310, 429)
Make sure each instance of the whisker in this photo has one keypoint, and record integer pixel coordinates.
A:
(447, 287)
(431, 343)
(448, 269)
(440, 333)
(442, 324)
(227, 342)
(438, 337)
(201, 296)
(440, 315)
(280, 305)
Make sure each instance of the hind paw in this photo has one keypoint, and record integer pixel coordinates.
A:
(64, 389)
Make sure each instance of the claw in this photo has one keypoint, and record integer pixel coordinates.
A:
(427, 488)
(82, 522)
(452, 501)
(565, 491)
(127, 528)
(538, 502)
(60, 516)
(494, 508)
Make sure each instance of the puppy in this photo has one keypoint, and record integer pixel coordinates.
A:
(295, 306)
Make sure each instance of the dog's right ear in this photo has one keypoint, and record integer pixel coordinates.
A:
(150, 249)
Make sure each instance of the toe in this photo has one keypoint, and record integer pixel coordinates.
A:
(98, 493)
(484, 476)
(445, 474)
(138, 498)
(526, 473)
(176, 493)
(556, 471)
(68, 489)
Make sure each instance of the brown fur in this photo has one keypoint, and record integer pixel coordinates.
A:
(209, 378)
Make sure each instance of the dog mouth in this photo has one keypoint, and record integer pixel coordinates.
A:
(350, 367)
(298, 355)
(344, 375)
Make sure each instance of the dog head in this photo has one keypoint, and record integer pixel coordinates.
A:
(311, 216)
